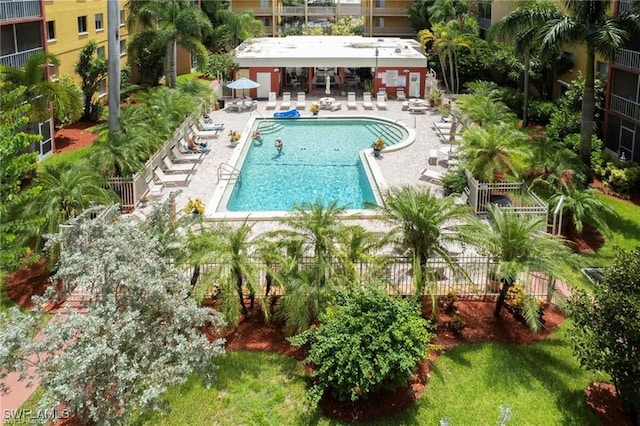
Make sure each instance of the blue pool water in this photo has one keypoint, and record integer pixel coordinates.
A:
(319, 160)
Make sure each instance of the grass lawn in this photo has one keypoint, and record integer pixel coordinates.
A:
(541, 383)
(69, 157)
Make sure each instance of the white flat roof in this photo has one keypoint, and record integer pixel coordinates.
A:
(331, 51)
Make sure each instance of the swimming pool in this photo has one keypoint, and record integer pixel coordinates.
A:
(321, 158)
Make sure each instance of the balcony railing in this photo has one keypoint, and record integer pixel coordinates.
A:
(321, 10)
(12, 10)
(390, 11)
(626, 107)
(391, 31)
(262, 11)
(628, 58)
(291, 10)
(17, 60)
(623, 6)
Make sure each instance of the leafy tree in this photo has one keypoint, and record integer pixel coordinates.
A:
(347, 26)
(220, 64)
(423, 224)
(587, 22)
(485, 110)
(15, 164)
(522, 26)
(73, 114)
(140, 333)
(519, 244)
(367, 342)
(448, 10)
(418, 14)
(64, 192)
(93, 71)
(165, 25)
(605, 328)
(494, 151)
(234, 28)
(39, 92)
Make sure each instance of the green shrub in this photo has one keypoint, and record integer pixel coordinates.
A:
(455, 181)
(562, 124)
(598, 155)
(369, 341)
(540, 111)
(621, 177)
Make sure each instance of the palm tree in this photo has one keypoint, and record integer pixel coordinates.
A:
(448, 10)
(40, 93)
(423, 223)
(169, 23)
(358, 245)
(587, 22)
(446, 39)
(485, 110)
(229, 248)
(418, 14)
(522, 26)
(494, 150)
(582, 206)
(240, 27)
(65, 191)
(519, 244)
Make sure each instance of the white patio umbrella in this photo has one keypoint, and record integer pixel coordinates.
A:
(327, 89)
(243, 83)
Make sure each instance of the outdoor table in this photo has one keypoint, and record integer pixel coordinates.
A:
(325, 103)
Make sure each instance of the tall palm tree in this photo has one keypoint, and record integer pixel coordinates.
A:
(446, 39)
(40, 93)
(522, 26)
(588, 22)
(169, 23)
(448, 10)
(65, 191)
(423, 223)
(494, 150)
(519, 244)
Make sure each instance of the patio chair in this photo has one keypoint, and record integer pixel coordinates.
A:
(366, 100)
(301, 103)
(286, 100)
(433, 157)
(272, 103)
(380, 102)
(204, 134)
(336, 106)
(351, 101)
(204, 126)
(171, 167)
(401, 95)
(432, 175)
(185, 156)
(171, 180)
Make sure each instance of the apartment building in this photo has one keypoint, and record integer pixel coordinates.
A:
(622, 112)
(382, 18)
(23, 33)
(71, 24)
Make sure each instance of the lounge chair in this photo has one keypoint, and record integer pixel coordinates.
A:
(383, 93)
(185, 156)
(366, 100)
(380, 102)
(433, 157)
(301, 103)
(171, 180)
(351, 101)
(204, 134)
(433, 175)
(272, 103)
(286, 101)
(172, 167)
(204, 126)
(401, 95)
(336, 106)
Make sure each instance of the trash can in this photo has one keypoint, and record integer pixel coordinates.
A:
(221, 103)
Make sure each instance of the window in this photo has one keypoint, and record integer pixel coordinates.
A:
(123, 47)
(379, 4)
(53, 72)
(602, 70)
(102, 88)
(99, 22)
(378, 22)
(51, 30)
(100, 51)
(122, 20)
(82, 24)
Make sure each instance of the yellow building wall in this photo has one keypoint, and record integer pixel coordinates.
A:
(68, 42)
(501, 8)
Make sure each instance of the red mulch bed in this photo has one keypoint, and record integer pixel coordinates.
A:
(74, 136)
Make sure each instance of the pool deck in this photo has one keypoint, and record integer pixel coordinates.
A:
(398, 167)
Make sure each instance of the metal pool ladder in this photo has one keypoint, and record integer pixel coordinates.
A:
(228, 172)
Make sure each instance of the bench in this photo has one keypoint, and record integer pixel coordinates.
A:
(433, 157)
(418, 109)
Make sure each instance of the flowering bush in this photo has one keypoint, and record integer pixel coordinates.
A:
(234, 136)
(378, 144)
(314, 108)
(194, 206)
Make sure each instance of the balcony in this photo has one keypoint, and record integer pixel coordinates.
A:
(391, 31)
(321, 11)
(629, 59)
(624, 106)
(292, 11)
(262, 11)
(17, 60)
(390, 11)
(17, 10)
(623, 6)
